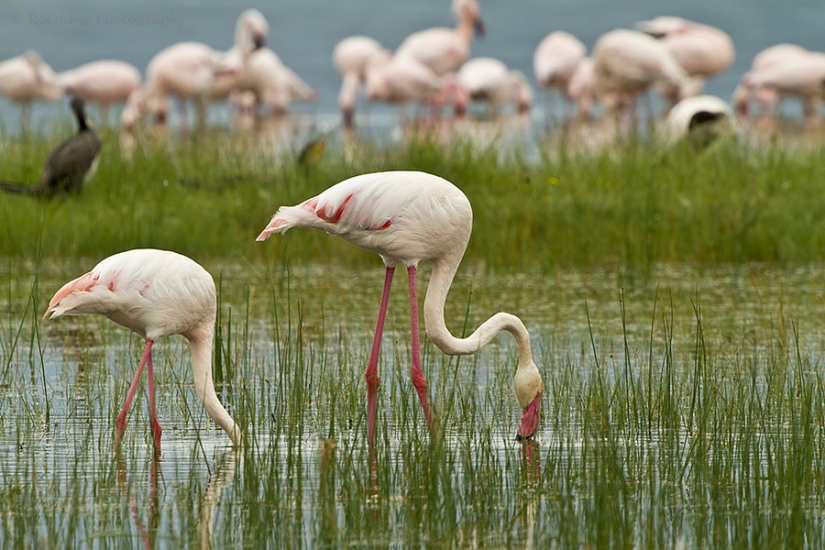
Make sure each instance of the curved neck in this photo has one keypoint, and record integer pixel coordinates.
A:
(200, 344)
(440, 281)
(464, 28)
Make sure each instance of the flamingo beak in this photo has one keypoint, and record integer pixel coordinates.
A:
(258, 41)
(478, 25)
(530, 419)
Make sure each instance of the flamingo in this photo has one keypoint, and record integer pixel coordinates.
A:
(800, 76)
(102, 82)
(766, 60)
(489, 79)
(442, 49)
(395, 79)
(271, 82)
(153, 293)
(703, 51)
(409, 217)
(192, 70)
(556, 59)
(26, 78)
(701, 118)
(582, 87)
(627, 62)
(351, 57)
(69, 165)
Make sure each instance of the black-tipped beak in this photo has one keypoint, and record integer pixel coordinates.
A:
(520, 437)
(479, 27)
(258, 41)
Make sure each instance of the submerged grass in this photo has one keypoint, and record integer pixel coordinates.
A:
(209, 194)
(677, 414)
(666, 423)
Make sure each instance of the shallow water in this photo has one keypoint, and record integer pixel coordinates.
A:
(295, 382)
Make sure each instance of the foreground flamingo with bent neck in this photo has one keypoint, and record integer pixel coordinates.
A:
(153, 293)
(406, 218)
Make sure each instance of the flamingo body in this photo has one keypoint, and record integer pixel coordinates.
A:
(350, 58)
(443, 49)
(489, 79)
(153, 293)
(407, 218)
(556, 58)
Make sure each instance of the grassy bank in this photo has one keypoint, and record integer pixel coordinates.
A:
(209, 195)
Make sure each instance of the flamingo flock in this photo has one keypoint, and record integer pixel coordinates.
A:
(668, 56)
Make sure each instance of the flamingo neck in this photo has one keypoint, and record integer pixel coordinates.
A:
(440, 281)
(464, 29)
(200, 344)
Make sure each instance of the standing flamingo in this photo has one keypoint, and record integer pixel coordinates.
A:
(703, 51)
(489, 79)
(351, 57)
(101, 82)
(25, 78)
(555, 61)
(153, 293)
(409, 217)
(443, 49)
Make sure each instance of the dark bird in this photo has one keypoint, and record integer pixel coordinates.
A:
(68, 165)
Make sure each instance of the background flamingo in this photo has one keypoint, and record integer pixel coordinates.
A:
(442, 49)
(627, 63)
(101, 83)
(192, 70)
(766, 60)
(556, 59)
(702, 51)
(351, 57)
(702, 119)
(488, 79)
(153, 293)
(273, 84)
(26, 78)
(406, 218)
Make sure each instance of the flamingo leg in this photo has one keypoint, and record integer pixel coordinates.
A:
(153, 412)
(121, 418)
(418, 379)
(372, 365)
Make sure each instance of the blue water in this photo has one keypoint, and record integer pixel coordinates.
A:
(304, 32)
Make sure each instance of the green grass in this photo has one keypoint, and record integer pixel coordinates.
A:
(209, 195)
(684, 399)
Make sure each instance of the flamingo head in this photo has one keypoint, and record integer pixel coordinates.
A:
(469, 10)
(528, 386)
(252, 30)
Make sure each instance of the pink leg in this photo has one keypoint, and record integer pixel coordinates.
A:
(153, 412)
(418, 379)
(121, 418)
(372, 364)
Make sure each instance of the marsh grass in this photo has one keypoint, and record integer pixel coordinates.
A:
(209, 194)
(665, 423)
(684, 405)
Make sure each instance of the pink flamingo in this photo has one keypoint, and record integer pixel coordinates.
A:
(406, 218)
(351, 57)
(395, 79)
(153, 293)
(442, 49)
(556, 59)
(582, 87)
(766, 60)
(488, 79)
(26, 78)
(627, 63)
(271, 83)
(703, 51)
(102, 82)
(701, 118)
(192, 70)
